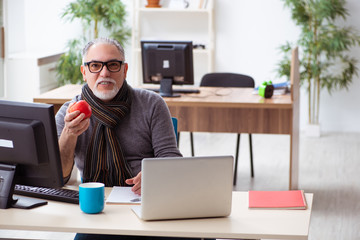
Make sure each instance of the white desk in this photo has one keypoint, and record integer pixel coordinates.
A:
(119, 219)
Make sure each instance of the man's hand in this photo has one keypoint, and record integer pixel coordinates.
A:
(75, 122)
(136, 181)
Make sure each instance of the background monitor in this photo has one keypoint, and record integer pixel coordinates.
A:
(29, 150)
(167, 63)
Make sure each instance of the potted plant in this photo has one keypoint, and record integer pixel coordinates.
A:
(94, 15)
(153, 4)
(324, 48)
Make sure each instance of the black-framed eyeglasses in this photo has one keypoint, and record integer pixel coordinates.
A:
(97, 66)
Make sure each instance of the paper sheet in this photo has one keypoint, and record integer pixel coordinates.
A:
(123, 195)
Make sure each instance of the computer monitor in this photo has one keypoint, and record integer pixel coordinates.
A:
(29, 150)
(167, 63)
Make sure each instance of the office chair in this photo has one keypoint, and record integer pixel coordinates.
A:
(229, 80)
(175, 125)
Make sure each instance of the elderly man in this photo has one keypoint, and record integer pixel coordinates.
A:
(126, 125)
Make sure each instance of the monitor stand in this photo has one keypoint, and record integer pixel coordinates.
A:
(166, 88)
(7, 174)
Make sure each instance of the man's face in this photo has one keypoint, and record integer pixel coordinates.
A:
(104, 84)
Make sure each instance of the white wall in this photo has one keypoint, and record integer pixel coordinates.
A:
(35, 25)
(340, 111)
(35, 29)
(2, 90)
(248, 34)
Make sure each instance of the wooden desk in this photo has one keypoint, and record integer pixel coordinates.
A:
(228, 110)
(243, 223)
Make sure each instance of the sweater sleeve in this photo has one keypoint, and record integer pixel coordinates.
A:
(162, 131)
(59, 117)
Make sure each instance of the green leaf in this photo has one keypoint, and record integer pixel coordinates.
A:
(323, 46)
(105, 16)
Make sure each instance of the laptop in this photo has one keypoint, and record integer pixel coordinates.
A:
(185, 187)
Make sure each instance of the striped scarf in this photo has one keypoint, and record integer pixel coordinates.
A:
(105, 161)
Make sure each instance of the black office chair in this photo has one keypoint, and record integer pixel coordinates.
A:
(229, 80)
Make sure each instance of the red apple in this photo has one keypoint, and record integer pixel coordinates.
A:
(83, 107)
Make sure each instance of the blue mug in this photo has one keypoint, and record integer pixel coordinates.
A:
(92, 197)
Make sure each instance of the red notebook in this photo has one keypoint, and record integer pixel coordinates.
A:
(293, 199)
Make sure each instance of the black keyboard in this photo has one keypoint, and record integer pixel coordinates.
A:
(179, 90)
(55, 194)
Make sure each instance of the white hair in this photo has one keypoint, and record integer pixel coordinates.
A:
(103, 40)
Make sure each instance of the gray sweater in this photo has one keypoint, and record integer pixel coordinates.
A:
(147, 131)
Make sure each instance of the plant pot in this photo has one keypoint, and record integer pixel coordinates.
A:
(312, 130)
(153, 4)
